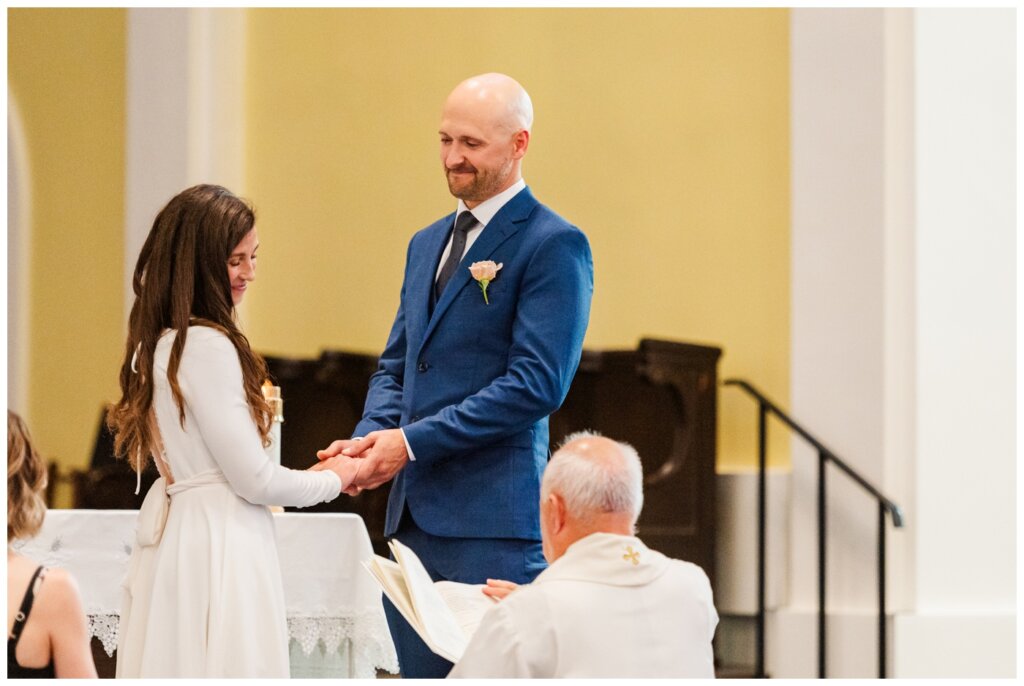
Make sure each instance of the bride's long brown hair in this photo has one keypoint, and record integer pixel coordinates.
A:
(181, 278)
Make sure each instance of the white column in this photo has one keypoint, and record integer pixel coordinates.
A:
(962, 621)
(903, 328)
(185, 110)
(217, 97)
(157, 123)
(839, 297)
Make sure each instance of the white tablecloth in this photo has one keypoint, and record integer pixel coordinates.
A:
(335, 618)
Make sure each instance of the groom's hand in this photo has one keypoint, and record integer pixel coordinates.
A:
(385, 455)
(335, 448)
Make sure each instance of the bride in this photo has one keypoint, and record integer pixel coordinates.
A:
(203, 596)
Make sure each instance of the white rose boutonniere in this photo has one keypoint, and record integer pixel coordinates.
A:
(484, 273)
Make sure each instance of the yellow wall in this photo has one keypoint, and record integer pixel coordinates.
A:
(66, 75)
(663, 134)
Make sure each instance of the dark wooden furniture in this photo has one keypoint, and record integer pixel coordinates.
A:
(109, 483)
(662, 399)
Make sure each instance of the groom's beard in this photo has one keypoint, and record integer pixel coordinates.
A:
(481, 185)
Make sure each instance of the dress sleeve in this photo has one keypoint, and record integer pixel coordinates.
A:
(210, 377)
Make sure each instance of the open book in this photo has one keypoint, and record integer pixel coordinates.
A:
(445, 613)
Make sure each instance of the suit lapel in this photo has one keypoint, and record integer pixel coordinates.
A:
(422, 287)
(505, 224)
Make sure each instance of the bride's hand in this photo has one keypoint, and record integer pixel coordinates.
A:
(346, 468)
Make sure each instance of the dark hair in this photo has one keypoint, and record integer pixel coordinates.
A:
(26, 479)
(181, 278)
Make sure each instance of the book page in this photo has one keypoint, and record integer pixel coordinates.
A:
(467, 602)
(440, 629)
(389, 575)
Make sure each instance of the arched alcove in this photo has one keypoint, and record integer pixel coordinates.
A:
(18, 259)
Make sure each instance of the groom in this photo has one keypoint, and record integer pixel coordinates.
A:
(457, 412)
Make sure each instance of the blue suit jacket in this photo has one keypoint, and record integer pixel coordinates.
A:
(472, 384)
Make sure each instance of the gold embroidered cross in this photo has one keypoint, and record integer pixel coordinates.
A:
(631, 555)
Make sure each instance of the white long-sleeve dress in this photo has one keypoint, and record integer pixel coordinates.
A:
(203, 597)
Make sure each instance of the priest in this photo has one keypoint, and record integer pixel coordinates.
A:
(607, 606)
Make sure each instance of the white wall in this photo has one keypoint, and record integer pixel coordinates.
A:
(964, 600)
(966, 251)
(903, 362)
(736, 545)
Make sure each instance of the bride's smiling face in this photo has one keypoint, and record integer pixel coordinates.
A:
(242, 266)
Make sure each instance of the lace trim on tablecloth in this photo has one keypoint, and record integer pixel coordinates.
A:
(104, 627)
(372, 648)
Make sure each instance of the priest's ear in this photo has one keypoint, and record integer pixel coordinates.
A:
(553, 514)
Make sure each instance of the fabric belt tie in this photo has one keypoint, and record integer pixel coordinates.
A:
(153, 513)
(208, 478)
(151, 523)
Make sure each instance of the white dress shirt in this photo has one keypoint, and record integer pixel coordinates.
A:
(484, 213)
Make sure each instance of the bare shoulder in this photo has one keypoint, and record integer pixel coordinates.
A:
(58, 594)
(19, 572)
(20, 568)
(62, 618)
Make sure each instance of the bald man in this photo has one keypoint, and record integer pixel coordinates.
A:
(608, 606)
(487, 338)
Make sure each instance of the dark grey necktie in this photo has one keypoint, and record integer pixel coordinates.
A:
(463, 224)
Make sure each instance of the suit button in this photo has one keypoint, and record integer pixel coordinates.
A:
(422, 367)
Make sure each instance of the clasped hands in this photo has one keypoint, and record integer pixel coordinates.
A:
(367, 462)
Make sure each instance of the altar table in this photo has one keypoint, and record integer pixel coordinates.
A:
(335, 618)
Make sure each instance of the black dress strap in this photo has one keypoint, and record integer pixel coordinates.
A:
(26, 605)
(14, 669)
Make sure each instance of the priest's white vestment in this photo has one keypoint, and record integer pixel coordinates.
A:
(609, 607)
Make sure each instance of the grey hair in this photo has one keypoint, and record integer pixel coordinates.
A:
(592, 487)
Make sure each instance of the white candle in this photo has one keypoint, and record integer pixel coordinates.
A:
(272, 394)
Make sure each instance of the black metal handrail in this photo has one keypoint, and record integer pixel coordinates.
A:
(885, 506)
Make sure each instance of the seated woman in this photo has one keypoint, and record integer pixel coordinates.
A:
(47, 632)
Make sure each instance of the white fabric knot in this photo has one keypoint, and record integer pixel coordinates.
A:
(153, 514)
